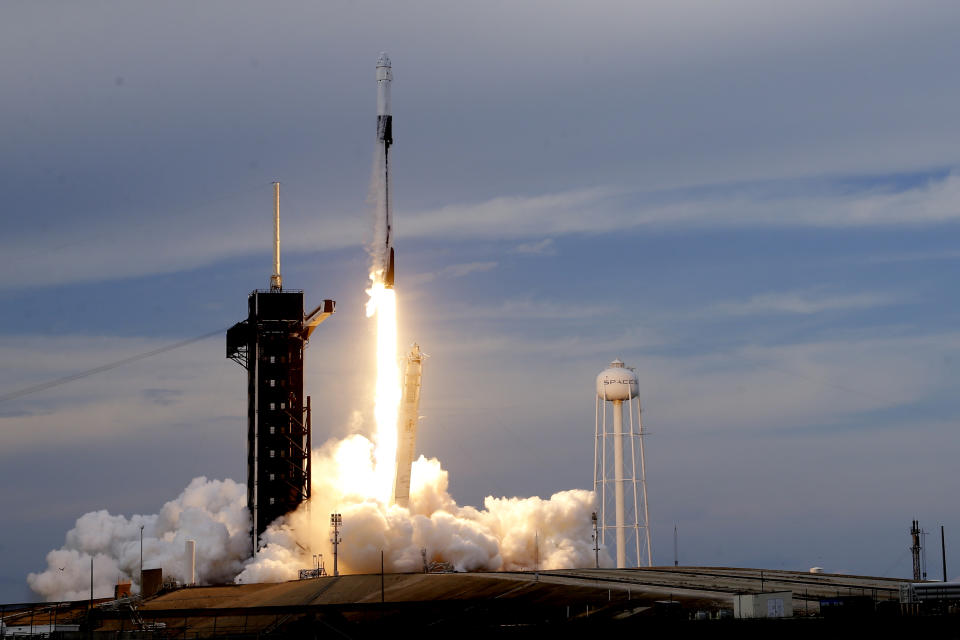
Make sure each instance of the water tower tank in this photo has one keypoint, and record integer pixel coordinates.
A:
(617, 383)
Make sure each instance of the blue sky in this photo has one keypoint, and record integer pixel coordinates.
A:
(755, 204)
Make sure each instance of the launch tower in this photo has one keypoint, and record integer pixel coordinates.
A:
(269, 345)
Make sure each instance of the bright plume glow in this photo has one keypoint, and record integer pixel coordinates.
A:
(383, 305)
(504, 535)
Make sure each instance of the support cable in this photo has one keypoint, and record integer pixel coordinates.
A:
(43, 386)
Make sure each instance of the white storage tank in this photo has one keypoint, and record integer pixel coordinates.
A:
(617, 383)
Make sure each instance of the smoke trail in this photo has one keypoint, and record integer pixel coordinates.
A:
(212, 512)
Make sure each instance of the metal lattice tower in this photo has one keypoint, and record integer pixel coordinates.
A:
(269, 344)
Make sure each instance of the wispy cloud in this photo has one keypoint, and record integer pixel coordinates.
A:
(163, 397)
(452, 271)
(543, 247)
(802, 303)
(155, 247)
(529, 309)
(916, 256)
(123, 401)
(827, 203)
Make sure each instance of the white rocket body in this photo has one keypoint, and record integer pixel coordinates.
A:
(385, 138)
(384, 78)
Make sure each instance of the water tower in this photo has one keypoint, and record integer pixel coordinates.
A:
(618, 487)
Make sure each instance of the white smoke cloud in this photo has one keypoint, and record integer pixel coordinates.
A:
(507, 534)
(212, 512)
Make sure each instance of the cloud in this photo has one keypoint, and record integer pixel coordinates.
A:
(801, 303)
(163, 397)
(540, 248)
(153, 246)
(702, 387)
(126, 401)
(826, 203)
(770, 387)
(916, 256)
(527, 309)
(452, 271)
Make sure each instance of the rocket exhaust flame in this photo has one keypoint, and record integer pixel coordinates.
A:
(383, 305)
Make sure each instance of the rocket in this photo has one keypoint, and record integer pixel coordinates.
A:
(385, 138)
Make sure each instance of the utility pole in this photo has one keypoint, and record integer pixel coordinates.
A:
(336, 521)
(536, 551)
(141, 561)
(676, 556)
(943, 553)
(381, 577)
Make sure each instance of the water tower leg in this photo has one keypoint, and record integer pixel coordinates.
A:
(618, 482)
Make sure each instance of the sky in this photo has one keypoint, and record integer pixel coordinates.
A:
(756, 204)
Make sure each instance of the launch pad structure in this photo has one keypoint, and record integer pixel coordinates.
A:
(269, 344)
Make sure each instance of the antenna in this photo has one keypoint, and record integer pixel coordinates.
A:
(919, 553)
(276, 282)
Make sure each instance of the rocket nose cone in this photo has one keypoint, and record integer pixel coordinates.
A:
(383, 60)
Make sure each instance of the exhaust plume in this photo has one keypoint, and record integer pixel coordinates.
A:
(501, 536)
(212, 512)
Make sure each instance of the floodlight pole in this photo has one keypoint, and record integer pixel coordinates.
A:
(141, 561)
(596, 539)
(336, 520)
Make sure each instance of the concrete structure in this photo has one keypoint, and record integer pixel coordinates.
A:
(476, 603)
(122, 590)
(190, 559)
(560, 603)
(152, 582)
(773, 604)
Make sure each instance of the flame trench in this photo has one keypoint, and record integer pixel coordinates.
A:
(383, 305)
